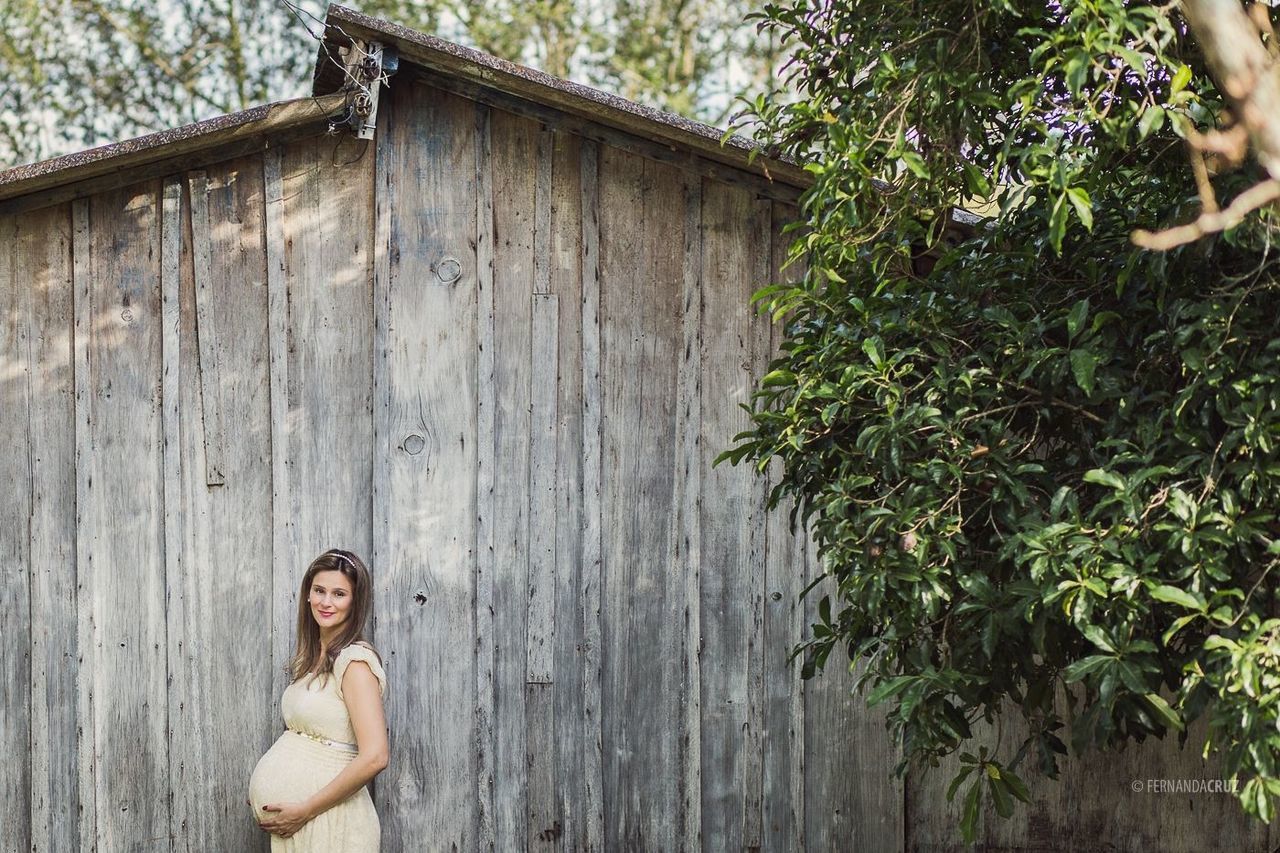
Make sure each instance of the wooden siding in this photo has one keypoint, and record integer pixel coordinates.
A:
(497, 357)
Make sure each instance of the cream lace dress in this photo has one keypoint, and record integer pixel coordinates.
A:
(318, 743)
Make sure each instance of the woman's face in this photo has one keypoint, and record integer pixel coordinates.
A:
(330, 599)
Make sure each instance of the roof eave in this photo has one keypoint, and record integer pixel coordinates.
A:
(446, 58)
(260, 121)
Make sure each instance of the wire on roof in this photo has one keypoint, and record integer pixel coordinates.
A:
(372, 67)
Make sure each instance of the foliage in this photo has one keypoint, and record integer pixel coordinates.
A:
(1043, 474)
(85, 72)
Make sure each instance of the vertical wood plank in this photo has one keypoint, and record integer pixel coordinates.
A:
(543, 819)
(641, 256)
(734, 227)
(688, 504)
(282, 521)
(209, 369)
(41, 284)
(17, 576)
(757, 263)
(233, 526)
(784, 722)
(514, 143)
(121, 509)
(545, 347)
(86, 658)
(426, 620)
(567, 830)
(486, 476)
(179, 734)
(592, 507)
(542, 212)
(327, 435)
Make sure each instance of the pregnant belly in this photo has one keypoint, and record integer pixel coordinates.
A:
(293, 769)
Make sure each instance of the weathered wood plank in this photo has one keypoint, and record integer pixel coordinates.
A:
(86, 659)
(16, 570)
(542, 212)
(569, 700)
(757, 237)
(593, 825)
(641, 266)
(543, 825)
(233, 526)
(543, 821)
(41, 278)
(735, 227)
(208, 369)
(179, 650)
(688, 455)
(426, 583)
(784, 722)
(283, 524)
(540, 630)
(486, 478)
(327, 195)
(514, 148)
(121, 511)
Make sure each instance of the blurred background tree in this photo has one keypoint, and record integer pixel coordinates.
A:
(80, 73)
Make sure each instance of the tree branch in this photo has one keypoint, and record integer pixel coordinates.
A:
(1244, 71)
(1210, 222)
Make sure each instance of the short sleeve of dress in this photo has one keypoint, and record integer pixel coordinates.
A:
(355, 651)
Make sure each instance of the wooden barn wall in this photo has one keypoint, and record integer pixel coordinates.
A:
(498, 358)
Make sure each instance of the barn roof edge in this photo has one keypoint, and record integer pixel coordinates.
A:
(93, 162)
(343, 24)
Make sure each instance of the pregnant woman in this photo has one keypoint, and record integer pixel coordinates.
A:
(309, 790)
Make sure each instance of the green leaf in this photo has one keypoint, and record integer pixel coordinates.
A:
(889, 689)
(1083, 364)
(1180, 597)
(1058, 224)
(874, 351)
(976, 182)
(1085, 666)
(1166, 714)
(1084, 208)
(1000, 796)
(1099, 638)
(1076, 317)
(1016, 786)
(915, 163)
(1076, 68)
(956, 782)
(1180, 79)
(1152, 120)
(1104, 478)
(969, 819)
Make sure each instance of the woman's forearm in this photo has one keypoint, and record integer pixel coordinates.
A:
(353, 777)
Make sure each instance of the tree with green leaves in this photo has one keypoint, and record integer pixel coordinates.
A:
(1039, 455)
(80, 73)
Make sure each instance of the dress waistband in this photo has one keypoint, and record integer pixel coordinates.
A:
(336, 744)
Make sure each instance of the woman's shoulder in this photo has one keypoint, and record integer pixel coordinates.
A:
(358, 646)
(363, 651)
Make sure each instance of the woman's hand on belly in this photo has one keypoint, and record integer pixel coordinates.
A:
(284, 819)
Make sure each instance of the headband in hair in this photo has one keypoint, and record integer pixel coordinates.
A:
(343, 557)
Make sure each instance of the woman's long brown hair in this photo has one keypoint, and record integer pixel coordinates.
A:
(307, 658)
